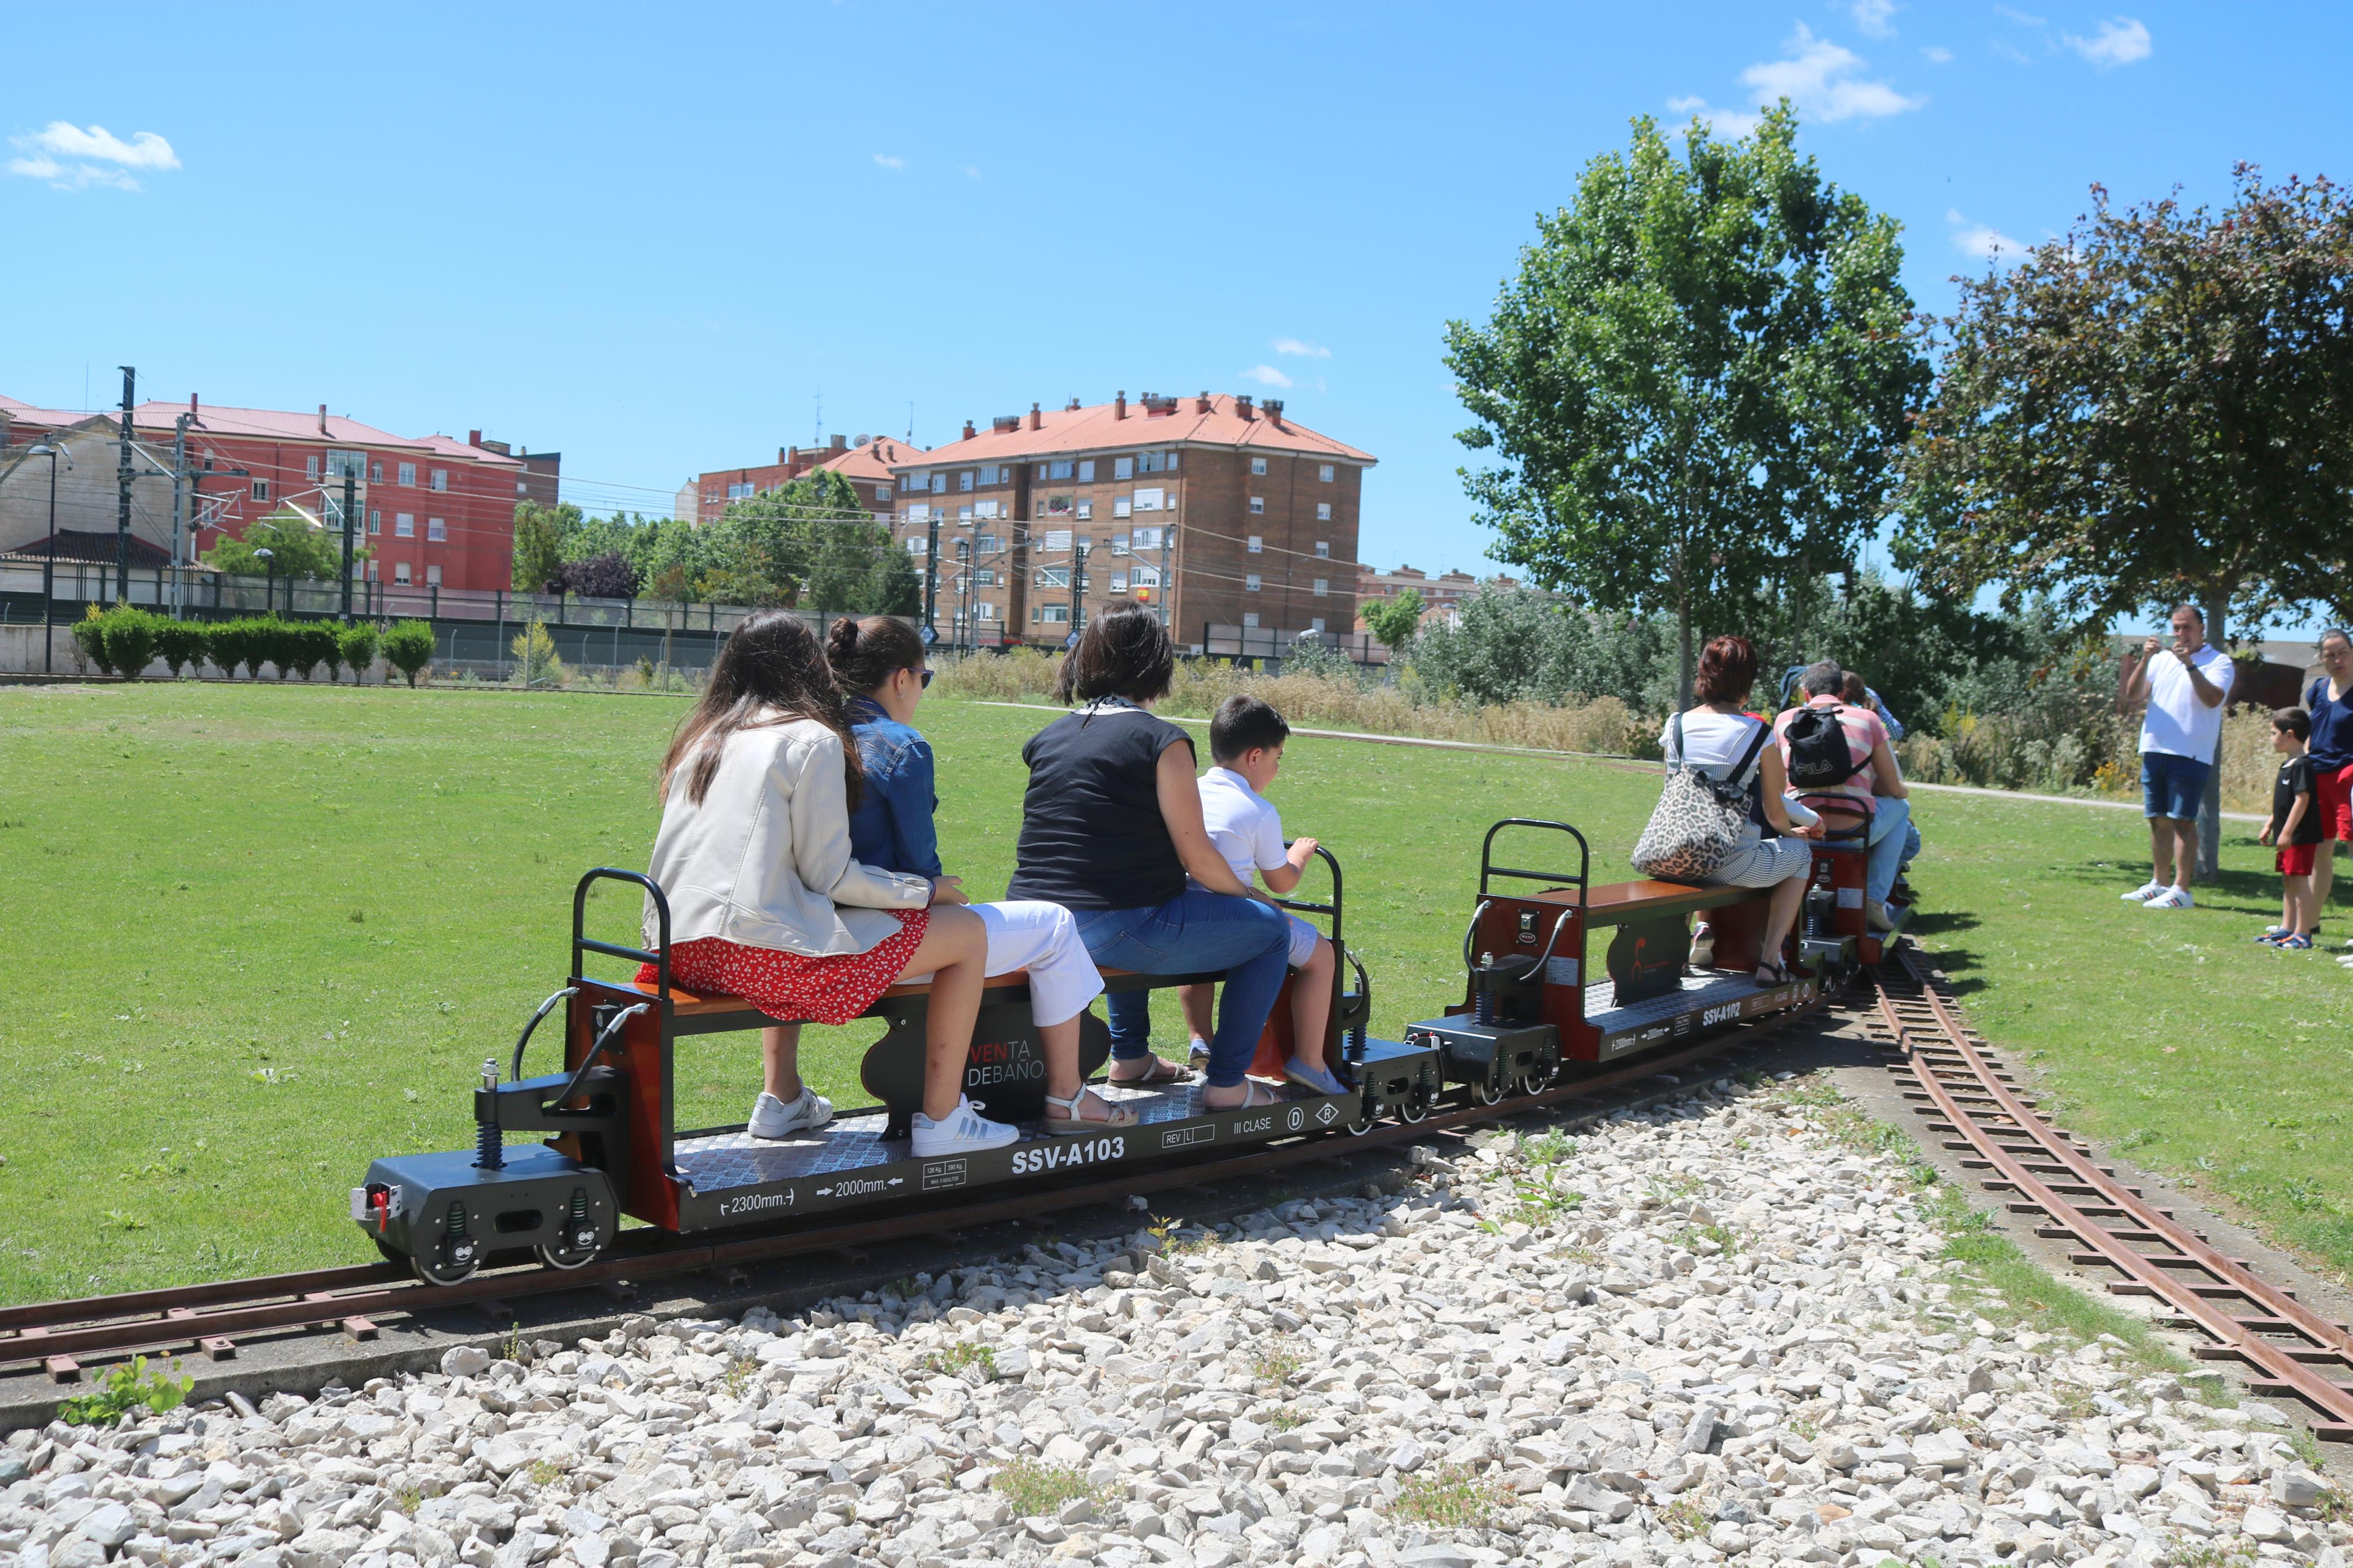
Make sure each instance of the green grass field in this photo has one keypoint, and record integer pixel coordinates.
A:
(258, 934)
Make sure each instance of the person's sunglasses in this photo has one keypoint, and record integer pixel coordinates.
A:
(927, 680)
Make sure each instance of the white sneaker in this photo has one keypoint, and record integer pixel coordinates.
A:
(2143, 893)
(772, 1118)
(2171, 899)
(964, 1131)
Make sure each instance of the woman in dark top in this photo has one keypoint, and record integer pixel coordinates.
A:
(1111, 827)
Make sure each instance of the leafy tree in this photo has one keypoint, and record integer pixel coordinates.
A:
(1516, 644)
(1394, 620)
(297, 548)
(408, 648)
(534, 651)
(539, 535)
(358, 643)
(1696, 383)
(2157, 406)
(607, 576)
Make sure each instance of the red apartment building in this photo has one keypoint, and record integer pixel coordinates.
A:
(1217, 508)
(436, 509)
(1441, 596)
(866, 463)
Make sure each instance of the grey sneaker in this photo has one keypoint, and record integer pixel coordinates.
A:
(772, 1118)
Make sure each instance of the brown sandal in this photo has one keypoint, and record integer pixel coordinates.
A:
(1063, 1120)
(1161, 1071)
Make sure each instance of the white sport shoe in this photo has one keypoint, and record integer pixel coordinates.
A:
(964, 1131)
(2143, 893)
(2171, 899)
(772, 1118)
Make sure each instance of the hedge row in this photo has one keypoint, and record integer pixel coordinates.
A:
(123, 640)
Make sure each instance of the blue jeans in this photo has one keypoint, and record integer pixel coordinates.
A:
(1193, 932)
(1890, 838)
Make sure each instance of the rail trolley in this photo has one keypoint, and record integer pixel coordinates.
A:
(1562, 976)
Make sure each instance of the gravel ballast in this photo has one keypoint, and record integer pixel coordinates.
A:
(1715, 1330)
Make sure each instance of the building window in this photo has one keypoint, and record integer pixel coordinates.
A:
(1257, 544)
(376, 473)
(1149, 500)
(990, 474)
(372, 572)
(1257, 465)
(1060, 469)
(919, 512)
(1323, 511)
(437, 529)
(1122, 468)
(1122, 505)
(1144, 576)
(440, 479)
(1258, 506)
(1119, 544)
(404, 525)
(964, 517)
(375, 520)
(939, 484)
(1119, 582)
(407, 472)
(1086, 509)
(1249, 620)
(261, 490)
(1323, 548)
(1155, 462)
(984, 612)
(1087, 472)
(433, 576)
(1146, 539)
(346, 465)
(310, 466)
(1323, 473)
(883, 493)
(1322, 586)
(1053, 615)
(963, 481)
(917, 482)
(917, 545)
(987, 544)
(1051, 578)
(1057, 538)
(521, 488)
(1316, 624)
(985, 578)
(1250, 582)
(985, 508)
(1060, 506)
(400, 570)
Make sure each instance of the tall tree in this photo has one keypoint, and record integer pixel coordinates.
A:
(298, 546)
(2157, 406)
(539, 535)
(1697, 382)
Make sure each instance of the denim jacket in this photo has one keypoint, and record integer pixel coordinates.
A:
(892, 828)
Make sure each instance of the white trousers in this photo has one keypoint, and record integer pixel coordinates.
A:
(1043, 939)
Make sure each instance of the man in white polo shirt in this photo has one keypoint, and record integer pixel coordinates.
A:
(2184, 686)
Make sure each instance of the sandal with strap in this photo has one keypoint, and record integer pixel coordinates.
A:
(1773, 974)
(1161, 1071)
(1259, 1096)
(1064, 1120)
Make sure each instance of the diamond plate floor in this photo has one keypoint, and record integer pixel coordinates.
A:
(1698, 990)
(734, 1158)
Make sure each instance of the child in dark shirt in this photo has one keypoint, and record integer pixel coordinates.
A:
(2296, 828)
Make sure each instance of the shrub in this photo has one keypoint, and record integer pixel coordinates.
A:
(90, 637)
(327, 641)
(536, 648)
(182, 643)
(358, 645)
(408, 646)
(315, 643)
(273, 642)
(129, 636)
(232, 644)
(298, 647)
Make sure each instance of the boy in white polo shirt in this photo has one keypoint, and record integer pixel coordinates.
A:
(1246, 737)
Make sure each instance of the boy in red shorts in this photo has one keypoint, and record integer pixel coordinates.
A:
(2296, 828)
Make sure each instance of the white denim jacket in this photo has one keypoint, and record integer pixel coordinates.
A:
(765, 860)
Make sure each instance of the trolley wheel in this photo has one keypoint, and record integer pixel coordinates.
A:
(1413, 1108)
(1535, 1080)
(560, 1258)
(391, 1253)
(433, 1274)
(1366, 1115)
(1485, 1090)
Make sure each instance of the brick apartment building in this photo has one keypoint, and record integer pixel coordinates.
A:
(1251, 517)
(1441, 596)
(866, 463)
(435, 510)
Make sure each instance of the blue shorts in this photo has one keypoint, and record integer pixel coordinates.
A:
(2171, 786)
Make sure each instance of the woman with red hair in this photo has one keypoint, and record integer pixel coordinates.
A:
(1720, 737)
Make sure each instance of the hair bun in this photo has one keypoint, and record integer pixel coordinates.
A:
(841, 642)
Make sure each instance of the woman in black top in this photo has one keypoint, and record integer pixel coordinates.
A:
(1111, 827)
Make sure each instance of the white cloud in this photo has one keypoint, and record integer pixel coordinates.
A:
(1873, 19)
(1266, 375)
(1980, 240)
(1722, 121)
(1295, 346)
(72, 158)
(887, 162)
(2024, 19)
(1821, 78)
(971, 172)
(2120, 41)
(1937, 55)
(2010, 52)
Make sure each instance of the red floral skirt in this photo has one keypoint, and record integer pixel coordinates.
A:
(790, 988)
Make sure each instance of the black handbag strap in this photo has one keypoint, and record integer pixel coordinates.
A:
(1747, 758)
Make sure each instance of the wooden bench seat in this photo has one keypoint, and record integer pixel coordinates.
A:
(1622, 904)
(687, 1004)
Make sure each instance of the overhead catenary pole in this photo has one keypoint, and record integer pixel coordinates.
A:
(179, 477)
(931, 572)
(123, 494)
(351, 487)
(1078, 570)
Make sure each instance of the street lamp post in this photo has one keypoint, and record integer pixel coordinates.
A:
(49, 560)
(269, 581)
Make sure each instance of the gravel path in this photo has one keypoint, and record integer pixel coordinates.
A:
(1710, 1331)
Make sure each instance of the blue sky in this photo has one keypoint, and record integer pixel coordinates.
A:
(655, 239)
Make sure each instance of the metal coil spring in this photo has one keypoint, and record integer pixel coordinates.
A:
(489, 1148)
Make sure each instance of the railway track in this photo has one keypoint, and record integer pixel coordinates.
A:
(2289, 1349)
(57, 1336)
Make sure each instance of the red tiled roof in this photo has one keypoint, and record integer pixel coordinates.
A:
(268, 424)
(450, 446)
(1099, 429)
(874, 461)
(22, 413)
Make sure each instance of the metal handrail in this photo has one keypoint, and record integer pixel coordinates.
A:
(1487, 866)
(583, 942)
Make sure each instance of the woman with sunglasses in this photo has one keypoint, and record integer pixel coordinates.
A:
(879, 662)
